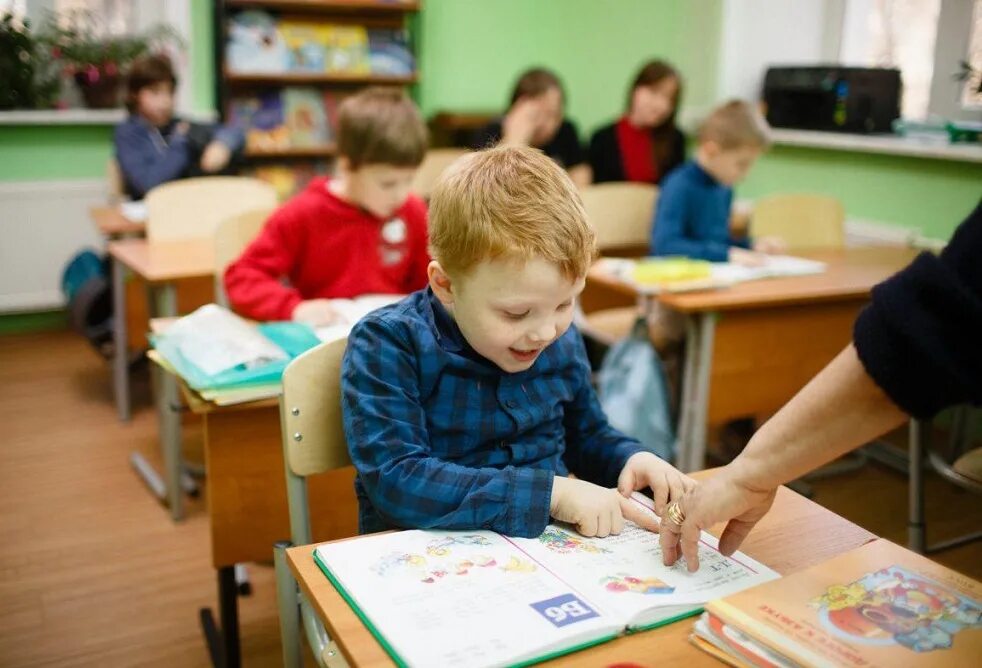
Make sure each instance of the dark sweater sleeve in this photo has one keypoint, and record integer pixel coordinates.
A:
(675, 157)
(605, 156)
(920, 339)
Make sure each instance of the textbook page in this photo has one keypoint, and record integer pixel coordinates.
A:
(625, 575)
(214, 339)
(441, 598)
(350, 311)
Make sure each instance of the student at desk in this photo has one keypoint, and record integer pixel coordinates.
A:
(915, 351)
(153, 146)
(466, 405)
(359, 233)
(692, 216)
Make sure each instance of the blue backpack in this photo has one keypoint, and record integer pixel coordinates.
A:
(88, 295)
(634, 392)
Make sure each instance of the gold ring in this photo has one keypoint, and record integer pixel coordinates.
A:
(674, 513)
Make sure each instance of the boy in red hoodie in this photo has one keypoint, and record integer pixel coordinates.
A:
(360, 232)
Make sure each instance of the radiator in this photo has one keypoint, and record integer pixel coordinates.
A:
(42, 225)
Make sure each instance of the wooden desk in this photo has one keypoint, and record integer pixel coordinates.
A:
(751, 347)
(796, 534)
(112, 224)
(160, 266)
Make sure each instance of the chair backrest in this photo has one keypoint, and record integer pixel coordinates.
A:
(313, 438)
(193, 208)
(115, 188)
(803, 221)
(434, 164)
(621, 213)
(231, 237)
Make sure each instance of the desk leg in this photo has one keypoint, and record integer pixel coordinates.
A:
(223, 644)
(918, 432)
(121, 371)
(691, 448)
(168, 406)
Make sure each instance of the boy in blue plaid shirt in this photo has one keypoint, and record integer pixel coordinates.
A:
(468, 404)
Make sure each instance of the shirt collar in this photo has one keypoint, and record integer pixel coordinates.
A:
(447, 332)
(706, 176)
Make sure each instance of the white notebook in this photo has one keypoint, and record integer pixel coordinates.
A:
(476, 598)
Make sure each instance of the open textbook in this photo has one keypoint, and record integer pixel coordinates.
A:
(476, 598)
(676, 274)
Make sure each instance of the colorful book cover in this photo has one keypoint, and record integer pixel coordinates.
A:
(306, 120)
(877, 605)
(306, 45)
(347, 49)
(255, 44)
(389, 53)
(261, 118)
(287, 180)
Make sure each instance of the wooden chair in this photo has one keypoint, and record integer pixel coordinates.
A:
(434, 164)
(193, 208)
(803, 221)
(621, 213)
(231, 237)
(114, 182)
(313, 442)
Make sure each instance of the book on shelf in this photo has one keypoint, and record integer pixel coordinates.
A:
(876, 605)
(261, 117)
(477, 598)
(389, 53)
(254, 43)
(306, 45)
(346, 49)
(306, 118)
(287, 179)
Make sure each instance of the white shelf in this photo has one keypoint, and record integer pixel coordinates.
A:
(891, 145)
(62, 117)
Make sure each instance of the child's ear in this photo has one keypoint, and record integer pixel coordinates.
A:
(440, 283)
(342, 165)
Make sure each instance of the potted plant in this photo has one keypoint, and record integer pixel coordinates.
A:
(24, 68)
(95, 59)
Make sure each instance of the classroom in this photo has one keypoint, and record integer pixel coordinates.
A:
(490, 332)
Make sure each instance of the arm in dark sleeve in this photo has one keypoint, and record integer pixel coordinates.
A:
(920, 339)
(488, 136)
(385, 426)
(595, 451)
(670, 234)
(569, 147)
(676, 155)
(143, 164)
(605, 156)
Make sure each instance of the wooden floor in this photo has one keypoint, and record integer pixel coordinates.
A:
(94, 573)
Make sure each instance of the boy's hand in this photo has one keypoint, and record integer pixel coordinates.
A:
(315, 312)
(644, 469)
(594, 510)
(770, 245)
(746, 258)
(215, 157)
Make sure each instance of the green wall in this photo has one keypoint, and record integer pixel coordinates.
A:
(929, 195)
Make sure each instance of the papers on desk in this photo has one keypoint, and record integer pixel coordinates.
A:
(350, 311)
(135, 212)
(719, 275)
(214, 339)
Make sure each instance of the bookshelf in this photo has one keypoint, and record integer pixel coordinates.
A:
(266, 81)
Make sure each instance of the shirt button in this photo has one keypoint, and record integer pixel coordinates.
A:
(511, 403)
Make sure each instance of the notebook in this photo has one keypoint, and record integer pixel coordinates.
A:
(477, 598)
(877, 605)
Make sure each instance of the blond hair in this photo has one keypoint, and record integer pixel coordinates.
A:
(381, 126)
(509, 201)
(736, 124)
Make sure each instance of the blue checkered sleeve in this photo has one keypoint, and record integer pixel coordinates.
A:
(385, 426)
(595, 450)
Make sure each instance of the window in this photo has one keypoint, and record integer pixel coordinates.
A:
(972, 89)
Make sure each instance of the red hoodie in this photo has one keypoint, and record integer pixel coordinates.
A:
(319, 246)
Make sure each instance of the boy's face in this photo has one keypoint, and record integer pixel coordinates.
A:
(156, 102)
(508, 310)
(728, 166)
(379, 189)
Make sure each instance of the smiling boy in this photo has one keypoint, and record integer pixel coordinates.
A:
(467, 404)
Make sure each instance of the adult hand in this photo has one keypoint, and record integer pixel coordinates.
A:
(520, 123)
(722, 498)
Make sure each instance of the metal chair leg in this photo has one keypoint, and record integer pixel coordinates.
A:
(286, 597)
(919, 435)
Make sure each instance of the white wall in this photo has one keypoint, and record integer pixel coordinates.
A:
(760, 33)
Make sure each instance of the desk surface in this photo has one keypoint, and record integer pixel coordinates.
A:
(111, 222)
(796, 534)
(164, 261)
(851, 273)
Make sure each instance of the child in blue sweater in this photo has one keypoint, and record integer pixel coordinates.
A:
(692, 217)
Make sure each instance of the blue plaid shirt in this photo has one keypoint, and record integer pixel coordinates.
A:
(443, 438)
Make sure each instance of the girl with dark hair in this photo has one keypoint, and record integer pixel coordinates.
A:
(644, 144)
